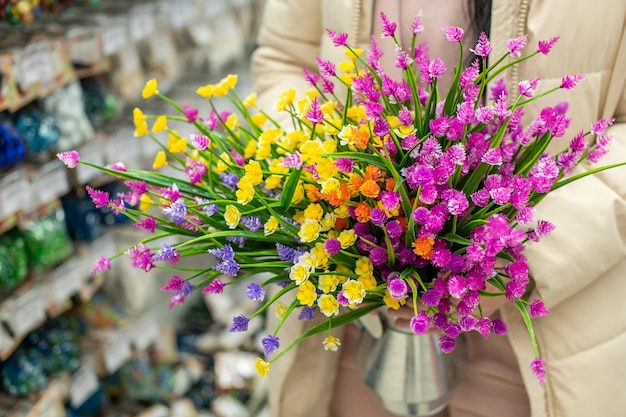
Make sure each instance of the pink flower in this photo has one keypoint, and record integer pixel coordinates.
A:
(600, 127)
(327, 68)
(416, 26)
(447, 344)
(332, 246)
(483, 47)
(174, 284)
(569, 82)
(453, 33)
(391, 199)
(527, 87)
(544, 47)
(538, 309)
(339, 39)
(398, 288)
(191, 113)
(315, 115)
(148, 224)
(214, 287)
(388, 28)
(420, 323)
(516, 45)
(69, 158)
(538, 368)
(403, 60)
(200, 142)
(543, 175)
(102, 264)
(311, 77)
(345, 165)
(99, 198)
(436, 69)
(117, 166)
(293, 161)
(141, 257)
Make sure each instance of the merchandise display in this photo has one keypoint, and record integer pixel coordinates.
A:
(75, 342)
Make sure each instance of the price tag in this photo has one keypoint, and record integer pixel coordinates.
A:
(142, 24)
(67, 280)
(52, 182)
(114, 38)
(84, 384)
(214, 8)
(13, 194)
(116, 353)
(30, 312)
(181, 13)
(145, 332)
(91, 152)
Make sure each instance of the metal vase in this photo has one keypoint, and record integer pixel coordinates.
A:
(409, 373)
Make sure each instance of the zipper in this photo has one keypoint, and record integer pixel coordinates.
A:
(356, 21)
(522, 18)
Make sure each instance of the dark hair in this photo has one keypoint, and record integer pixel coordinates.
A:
(480, 15)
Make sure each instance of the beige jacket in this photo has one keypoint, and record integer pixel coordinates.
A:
(579, 271)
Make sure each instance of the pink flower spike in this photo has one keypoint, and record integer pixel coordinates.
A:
(388, 28)
(600, 127)
(453, 33)
(69, 158)
(315, 115)
(569, 82)
(516, 45)
(483, 47)
(102, 264)
(99, 198)
(527, 87)
(327, 68)
(339, 39)
(417, 27)
(214, 287)
(174, 284)
(538, 368)
(293, 161)
(538, 309)
(200, 142)
(148, 224)
(191, 113)
(311, 77)
(544, 47)
(117, 166)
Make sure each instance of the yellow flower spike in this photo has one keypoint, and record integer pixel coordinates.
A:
(331, 343)
(232, 216)
(145, 203)
(250, 100)
(258, 119)
(328, 305)
(142, 129)
(271, 226)
(206, 91)
(354, 54)
(151, 89)
(160, 125)
(393, 121)
(221, 164)
(307, 294)
(160, 160)
(262, 367)
(285, 100)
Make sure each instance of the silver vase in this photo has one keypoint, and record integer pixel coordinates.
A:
(409, 373)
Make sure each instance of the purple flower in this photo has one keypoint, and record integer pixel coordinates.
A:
(176, 211)
(339, 39)
(431, 297)
(499, 327)
(214, 287)
(378, 217)
(515, 46)
(117, 166)
(447, 344)
(270, 344)
(483, 47)
(69, 158)
(398, 288)
(207, 208)
(229, 179)
(255, 292)
(544, 47)
(345, 165)
(388, 28)
(286, 253)
(99, 198)
(538, 368)
(403, 59)
(416, 26)
(467, 323)
(200, 142)
(538, 309)
(191, 113)
(224, 254)
(483, 326)
(178, 297)
(394, 229)
(527, 87)
(453, 33)
(419, 324)
(102, 264)
(543, 175)
(253, 223)
(453, 330)
(168, 254)
(240, 324)
(569, 82)
(332, 246)
(307, 313)
(229, 267)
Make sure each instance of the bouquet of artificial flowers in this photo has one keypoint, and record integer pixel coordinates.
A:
(382, 194)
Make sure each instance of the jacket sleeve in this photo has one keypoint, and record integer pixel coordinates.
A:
(289, 39)
(590, 215)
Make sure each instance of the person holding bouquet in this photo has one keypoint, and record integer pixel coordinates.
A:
(578, 271)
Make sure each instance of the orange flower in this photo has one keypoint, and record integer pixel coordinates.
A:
(390, 184)
(362, 212)
(341, 224)
(404, 223)
(423, 246)
(361, 138)
(370, 189)
(337, 198)
(312, 193)
(355, 183)
(372, 173)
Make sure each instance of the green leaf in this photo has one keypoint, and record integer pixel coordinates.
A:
(370, 159)
(453, 238)
(584, 174)
(290, 189)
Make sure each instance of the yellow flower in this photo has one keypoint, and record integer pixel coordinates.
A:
(321, 256)
(328, 283)
(309, 231)
(141, 129)
(357, 113)
(271, 226)
(232, 216)
(304, 106)
(273, 181)
(328, 107)
(160, 124)
(346, 66)
(328, 305)
(346, 78)
(250, 149)
(326, 168)
(342, 212)
(206, 91)
(328, 222)
(259, 119)
(178, 145)
(393, 121)
(220, 90)
(298, 195)
(347, 238)
(299, 273)
(138, 116)
(221, 165)
(311, 93)
(314, 212)
(363, 266)
(307, 294)
(308, 260)
(253, 174)
(331, 343)
(232, 122)
(230, 81)
(160, 160)
(145, 202)
(354, 291)
(285, 100)
(151, 89)
(262, 367)
(331, 126)
(245, 192)
(330, 185)
(368, 281)
(250, 100)
(312, 151)
(280, 309)
(391, 302)
(354, 53)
